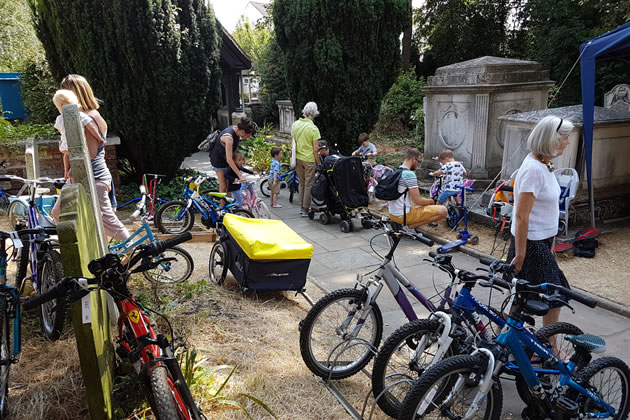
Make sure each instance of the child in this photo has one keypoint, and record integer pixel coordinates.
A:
(274, 174)
(366, 149)
(67, 97)
(453, 172)
(234, 187)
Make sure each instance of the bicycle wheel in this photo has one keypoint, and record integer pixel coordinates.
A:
(608, 378)
(53, 313)
(5, 356)
(324, 334)
(218, 264)
(549, 335)
(261, 210)
(240, 211)
(17, 211)
(292, 191)
(23, 263)
(167, 402)
(446, 391)
(400, 359)
(265, 189)
(176, 271)
(4, 204)
(169, 218)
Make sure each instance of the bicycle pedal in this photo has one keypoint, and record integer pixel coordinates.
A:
(567, 406)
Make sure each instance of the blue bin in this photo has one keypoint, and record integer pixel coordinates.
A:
(12, 105)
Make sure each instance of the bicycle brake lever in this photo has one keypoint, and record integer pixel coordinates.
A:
(484, 283)
(557, 299)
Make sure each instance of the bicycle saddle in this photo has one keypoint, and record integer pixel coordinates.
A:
(589, 342)
(216, 194)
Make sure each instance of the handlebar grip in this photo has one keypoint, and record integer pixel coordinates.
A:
(486, 260)
(502, 283)
(59, 290)
(585, 300)
(424, 240)
(160, 246)
(433, 254)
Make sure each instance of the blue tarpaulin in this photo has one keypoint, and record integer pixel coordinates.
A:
(12, 105)
(610, 45)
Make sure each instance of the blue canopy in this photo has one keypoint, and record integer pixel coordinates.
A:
(615, 43)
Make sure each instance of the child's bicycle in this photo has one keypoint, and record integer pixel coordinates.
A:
(253, 203)
(151, 354)
(288, 179)
(175, 263)
(150, 183)
(179, 215)
(467, 386)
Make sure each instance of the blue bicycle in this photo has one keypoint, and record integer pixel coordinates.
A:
(467, 386)
(178, 216)
(175, 264)
(288, 179)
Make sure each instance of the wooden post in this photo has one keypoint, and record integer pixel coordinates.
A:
(31, 155)
(78, 246)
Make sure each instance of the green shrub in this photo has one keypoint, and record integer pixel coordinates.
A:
(258, 152)
(404, 99)
(38, 88)
(20, 131)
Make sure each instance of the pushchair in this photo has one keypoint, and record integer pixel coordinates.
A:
(341, 185)
(261, 254)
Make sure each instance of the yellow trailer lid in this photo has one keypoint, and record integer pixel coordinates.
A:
(264, 239)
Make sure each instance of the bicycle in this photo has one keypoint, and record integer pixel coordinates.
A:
(179, 215)
(254, 204)
(356, 333)
(288, 179)
(44, 261)
(149, 185)
(415, 346)
(175, 264)
(466, 386)
(151, 354)
(10, 313)
(18, 207)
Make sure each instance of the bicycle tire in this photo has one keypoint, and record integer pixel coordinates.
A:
(218, 259)
(17, 210)
(261, 210)
(165, 405)
(50, 272)
(23, 263)
(5, 356)
(543, 335)
(318, 360)
(291, 192)
(394, 362)
(4, 204)
(171, 272)
(242, 212)
(441, 375)
(166, 218)
(265, 189)
(589, 377)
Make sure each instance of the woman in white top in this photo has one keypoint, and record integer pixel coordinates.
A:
(536, 208)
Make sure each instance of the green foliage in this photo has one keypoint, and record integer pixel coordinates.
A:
(343, 55)
(404, 99)
(154, 63)
(18, 42)
(272, 80)
(450, 31)
(38, 88)
(19, 131)
(258, 152)
(252, 39)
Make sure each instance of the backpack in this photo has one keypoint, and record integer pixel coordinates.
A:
(208, 144)
(585, 247)
(387, 187)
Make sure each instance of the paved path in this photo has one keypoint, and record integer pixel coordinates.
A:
(338, 257)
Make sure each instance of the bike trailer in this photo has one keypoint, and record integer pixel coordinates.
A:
(265, 254)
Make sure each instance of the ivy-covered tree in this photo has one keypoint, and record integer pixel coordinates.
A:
(154, 63)
(344, 55)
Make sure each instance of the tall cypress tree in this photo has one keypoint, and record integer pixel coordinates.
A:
(154, 63)
(344, 55)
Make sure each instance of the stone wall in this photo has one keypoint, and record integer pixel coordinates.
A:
(50, 160)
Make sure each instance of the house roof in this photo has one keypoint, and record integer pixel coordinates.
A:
(233, 58)
(261, 7)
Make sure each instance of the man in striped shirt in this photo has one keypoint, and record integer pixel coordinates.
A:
(419, 211)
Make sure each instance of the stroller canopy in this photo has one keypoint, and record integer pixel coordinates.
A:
(347, 176)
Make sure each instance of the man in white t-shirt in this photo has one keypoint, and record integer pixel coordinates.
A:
(418, 210)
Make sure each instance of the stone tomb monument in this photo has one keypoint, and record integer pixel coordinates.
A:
(463, 102)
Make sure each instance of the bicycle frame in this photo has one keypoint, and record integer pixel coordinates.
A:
(123, 247)
(206, 207)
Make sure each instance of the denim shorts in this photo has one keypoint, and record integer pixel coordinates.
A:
(220, 169)
(445, 195)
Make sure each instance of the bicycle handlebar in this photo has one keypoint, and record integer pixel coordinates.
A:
(25, 232)
(585, 300)
(464, 188)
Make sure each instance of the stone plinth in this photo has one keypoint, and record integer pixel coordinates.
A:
(463, 102)
(287, 116)
(611, 144)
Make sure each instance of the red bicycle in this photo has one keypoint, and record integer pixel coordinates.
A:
(151, 354)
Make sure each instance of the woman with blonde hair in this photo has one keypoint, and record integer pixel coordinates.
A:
(96, 149)
(536, 208)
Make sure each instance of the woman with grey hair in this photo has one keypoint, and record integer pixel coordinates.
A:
(306, 136)
(536, 208)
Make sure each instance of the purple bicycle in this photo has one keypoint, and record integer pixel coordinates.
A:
(343, 330)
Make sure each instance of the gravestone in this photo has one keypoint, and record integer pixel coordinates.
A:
(618, 98)
(463, 102)
(286, 115)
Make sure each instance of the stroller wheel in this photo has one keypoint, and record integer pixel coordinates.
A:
(324, 218)
(474, 240)
(311, 214)
(345, 226)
